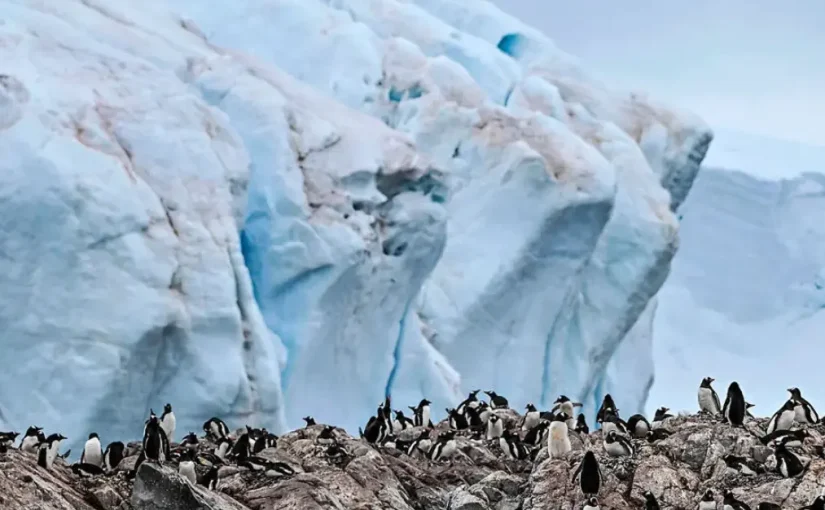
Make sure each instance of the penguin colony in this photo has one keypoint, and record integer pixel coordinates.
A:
(473, 418)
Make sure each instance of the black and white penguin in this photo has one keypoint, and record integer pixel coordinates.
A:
(787, 463)
(558, 441)
(768, 506)
(748, 407)
(660, 417)
(512, 446)
(611, 422)
(190, 441)
(210, 479)
(378, 427)
(33, 438)
(729, 502)
(657, 435)
(591, 504)
(617, 446)
(607, 405)
(7, 439)
(531, 417)
(92, 451)
(817, 504)
(48, 450)
(638, 425)
(791, 438)
(805, 412)
(470, 401)
(566, 406)
(734, 408)
(326, 436)
(537, 434)
(708, 501)
(84, 470)
(186, 466)
(783, 418)
(708, 398)
(404, 423)
(421, 414)
(650, 501)
(215, 429)
(309, 420)
(154, 441)
(456, 420)
(743, 465)
(484, 411)
(473, 416)
(223, 447)
(113, 455)
(421, 443)
(444, 447)
(495, 427)
(581, 425)
(242, 448)
(168, 422)
(590, 475)
(497, 401)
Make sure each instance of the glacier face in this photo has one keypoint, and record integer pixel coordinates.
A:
(267, 209)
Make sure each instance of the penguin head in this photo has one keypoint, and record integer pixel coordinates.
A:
(94, 435)
(562, 399)
(728, 495)
(167, 408)
(190, 438)
(795, 393)
(491, 394)
(649, 496)
(399, 415)
(592, 501)
(789, 405)
(530, 408)
(33, 431)
(446, 436)
(708, 496)
(494, 418)
(706, 382)
(560, 417)
(473, 394)
(734, 387)
(309, 420)
(425, 434)
(424, 402)
(581, 419)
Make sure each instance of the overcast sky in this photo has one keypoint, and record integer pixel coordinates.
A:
(756, 66)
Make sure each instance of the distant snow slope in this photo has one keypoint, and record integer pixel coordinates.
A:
(745, 300)
(272, 208)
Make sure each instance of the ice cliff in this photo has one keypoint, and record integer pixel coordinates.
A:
(272, 208)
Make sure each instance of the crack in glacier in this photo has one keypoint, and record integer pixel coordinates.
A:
(396, 353)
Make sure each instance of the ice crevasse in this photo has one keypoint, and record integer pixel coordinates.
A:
(271, 208)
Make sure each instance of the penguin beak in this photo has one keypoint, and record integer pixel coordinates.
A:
(711, 379)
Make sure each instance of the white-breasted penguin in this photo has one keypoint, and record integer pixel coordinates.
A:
(153, 441)
(31, 441)
(456, 420)
(403, 422)
(168, 422)
(497, 401)
(617, 446)
(7, 439)
(782, 419)
(495, 427)
(223, 447)
(422, 443)
(215, 429)
(190, 441)
(512, 446)
(734, 407)
(566, 406)
(326, 436)
(186, 466)
(538, 434)
(660, 417)
(591, 504)
(531, 417)
(787, 463)
(708, 501)
(113, 455)
(729, 502)
(558, 441)
(48, 450)
(470, 401)
(638, 425)
(92, 451)
(650, 501)
(610, 421)
(421, 414)
(805, 412)
(589, 473)
(708, 398)
(444, 447)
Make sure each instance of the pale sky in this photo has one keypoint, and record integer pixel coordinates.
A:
(754, 66)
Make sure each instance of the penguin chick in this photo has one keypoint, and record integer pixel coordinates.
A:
(638, 425)
(326, 436)
(558, 441)
(168, 422)
(804, 411)
(730, 502)
(456, 420)
(617, 446)
(581, 425)
(92, 451)
(782, 419)
(190, 441)
(589, 474)
(708, 398)
(612, 423)
(497, 401)
(734, 407)
(650, 501)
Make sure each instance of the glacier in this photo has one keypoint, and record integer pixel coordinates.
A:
(273, 208)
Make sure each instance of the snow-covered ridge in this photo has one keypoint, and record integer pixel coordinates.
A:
(267, 209)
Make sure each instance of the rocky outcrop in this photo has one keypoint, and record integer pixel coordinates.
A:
(677, 470)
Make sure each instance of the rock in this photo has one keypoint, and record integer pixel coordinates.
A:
(161, 488)
(461, 499)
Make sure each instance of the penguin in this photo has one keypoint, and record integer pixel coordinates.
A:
(266, 440)
(581, 425)
(783, 418)
(607, 405)
(512, 446)
(421, 414)
(650, 501)
(222, 448)
(657, 435)
(377, 427)
(444, 447)
(456, 420)
(30, 442)
(590, 474)
(730, 502)
(484, 411)
(497, 401)
(817, 504)
(805, 412)
(154, 439)
(48, 450)
(326, 436)
(708, 398)
(638, 425)
(566, 406)
(403, 445)
(734, 408)
(612, 422)
(210, 479)
(495, 427)
(242, 448)
(422, 443)
(531, 417)
(470, 401)
(790, 438)
(186, 467)
(310, 421)
(216, 429)
(617, 446)
(385, 414)
(92, 451)
(473, 416)
(591, 504)
(113, 455)
(708, 501)
(787, 463)
(190, 441)
(84, 470)
(768, 506)
(558, 442)
(744, 465)
(404, 423)
(660, 417)
(536, 435)
(168, 422)
(7, 439)
(748, 407)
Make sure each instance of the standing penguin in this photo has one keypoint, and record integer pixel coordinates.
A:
(422, 443)
(787, 463)
(734, 408)
(186, 467)
(708, 501)
(512, 446)
(495, 427)
(404, 423)
(617, 446)
(92, 451)
(444, 447)
(566, 406)
(470, 401)
(783, 418)
(113, 455)
(153, 441)
(558, 442)
(30, 442)
(536, 435)
(581, 425)
(421, 414)
(805, 412)
(638, 425)
(531, 417)
(650, 501)
(591, 504)
(590, 474)
(48, 450)
(607, 405)
(497, 401)
(168, 422)
(456, 420)
(730, 502)
(708, 399)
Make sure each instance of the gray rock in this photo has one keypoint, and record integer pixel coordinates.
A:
(161, 488)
